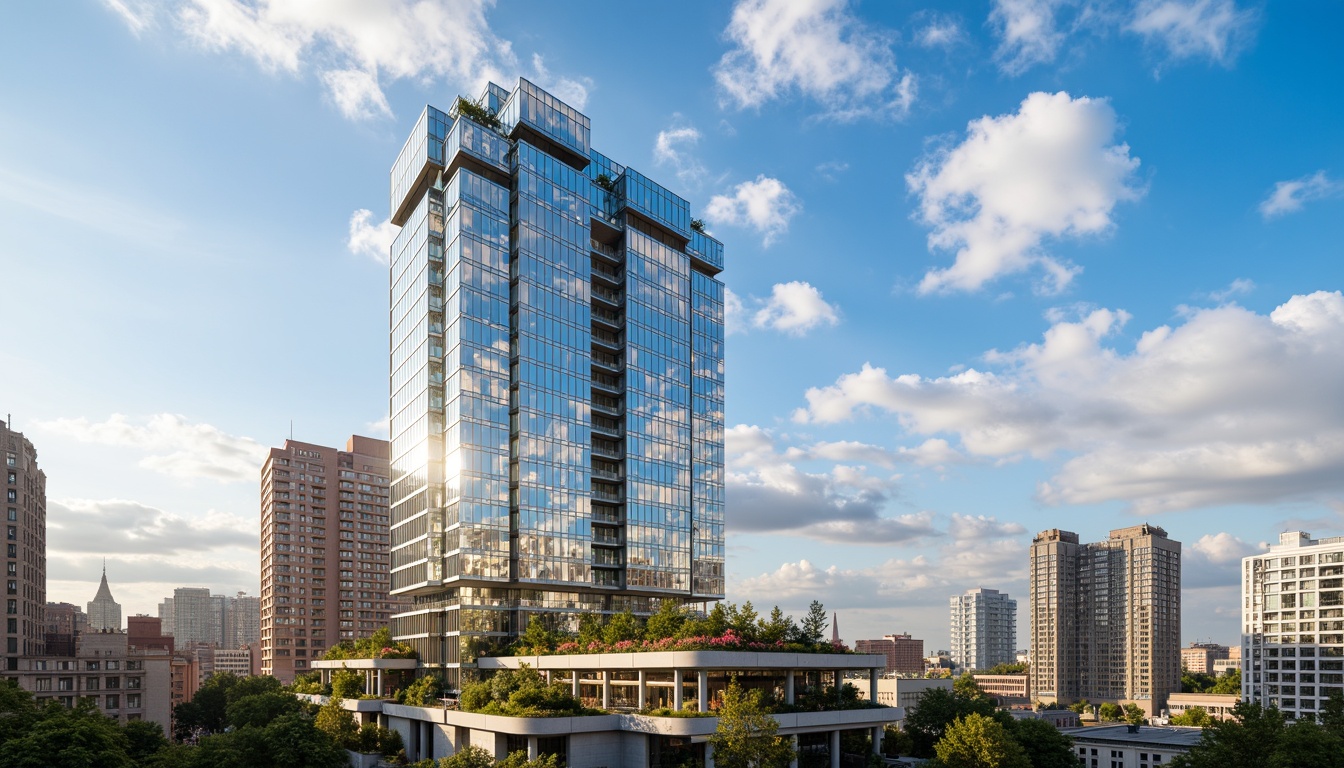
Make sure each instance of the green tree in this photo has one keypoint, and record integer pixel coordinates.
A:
(590, 629)
(1110, 712)
(346, 684)
(471, 757)
(519, 760)
(18, 710)
(938, 708)
(777, 628)
(144, 739)
(1196, 717)
(714, 624)
(338, 723)
(291, 741)
(1248, 740)
(78, 737)
(519, 693)
(977, 741)
(1080, 706)
(1304, 744)
(1228, 682)
(1134, 715)
(1007, 669)
(259, 709)
(623, 626)
(813, 629)
(207, 710)
(1045, 746)
(1331, 713)
(537, 638)
(747, 735)
(965, 685)
(667, 622)
(1196, 682)
(424, 692)
(743, 621)
(896, 742)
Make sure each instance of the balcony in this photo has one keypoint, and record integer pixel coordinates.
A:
(607, 317)
(610, 363)
(607, 295)
(607, 339)
(608, 427)
(609, 274)
(607, 474)
(610, 497)
(605, 250)
(607, 450)
(604, 381)
(603, 537)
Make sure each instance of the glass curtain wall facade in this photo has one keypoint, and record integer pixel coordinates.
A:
(556, 399)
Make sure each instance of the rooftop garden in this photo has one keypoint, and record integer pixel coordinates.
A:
(727, 627)
(379, 645)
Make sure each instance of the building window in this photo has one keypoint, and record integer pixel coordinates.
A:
(91, 684)
(132, 701)
(113, 701)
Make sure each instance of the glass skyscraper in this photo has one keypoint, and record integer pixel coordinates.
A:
(556, 392)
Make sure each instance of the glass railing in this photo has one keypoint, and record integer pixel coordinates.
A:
(606, 294)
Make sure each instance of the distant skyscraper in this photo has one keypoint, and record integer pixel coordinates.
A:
(984, 629)
(104, 612)
(166, 616)
(905, 654)
(324, 550)
(25, 548)
(1106, 617)
(1292, 634)
(556, 381)
(198, 616)
(64, 622)
(242, 614)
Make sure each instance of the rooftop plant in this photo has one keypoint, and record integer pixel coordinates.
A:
(379, 645)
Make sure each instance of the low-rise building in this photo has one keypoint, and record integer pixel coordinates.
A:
(1217, 705)
(630, 686)
(1200, 657)
(904, 692)
(237, 661)
(125, 684)
(1131, 746)
(1010, 690)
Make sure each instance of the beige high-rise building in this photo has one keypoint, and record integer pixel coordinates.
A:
(324, 550)
(25, 489)
(1106, 617)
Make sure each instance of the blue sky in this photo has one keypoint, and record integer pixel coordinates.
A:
(998, 267)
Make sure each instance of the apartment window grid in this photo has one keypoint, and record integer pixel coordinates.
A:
(598, 410)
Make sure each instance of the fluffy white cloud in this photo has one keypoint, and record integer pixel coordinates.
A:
(138, 14)
(1213, 29)
(356, 48)
(176, 447)
(1230, 407)
(817, 48)
(765, 205)
(372, 240)
(113, 527)
(795, 308)
(673, 148)
(940, 32)
(734, 313)
(1289, 196)
(768, 492)
(1052, 169)
(925, 579)
(1033, 32)
(1027, 31)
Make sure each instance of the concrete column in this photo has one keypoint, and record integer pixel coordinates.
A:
(702, 689)
(872, 685)
(709, 755)
(574, 682)
(877, 740)
(788, 687)
(532, 748)
(676, 694)
(606, 688)
(643, 690)
(835, 749)
(793, 761)
(379, 692)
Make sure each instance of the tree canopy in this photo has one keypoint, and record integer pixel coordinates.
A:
(977, 741)
(747, 735)
(1260, 737)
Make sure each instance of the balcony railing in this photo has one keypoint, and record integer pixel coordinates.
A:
(605, 250)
